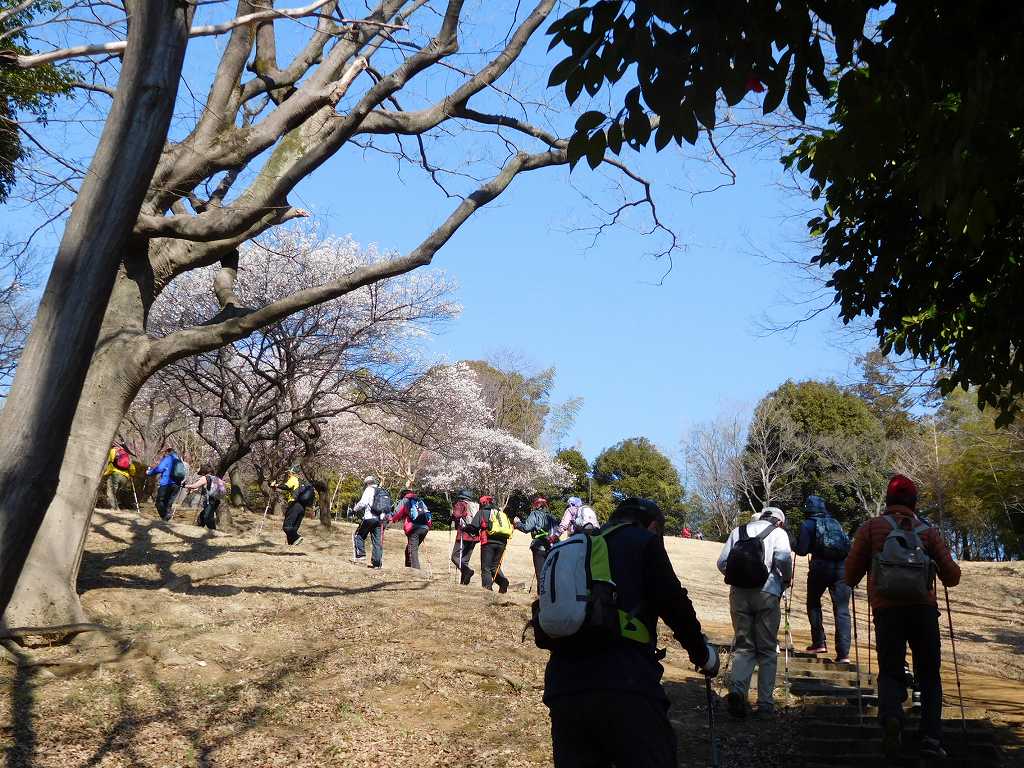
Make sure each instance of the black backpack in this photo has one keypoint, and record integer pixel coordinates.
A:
(305, 495)
(745, 567)
(382, 504)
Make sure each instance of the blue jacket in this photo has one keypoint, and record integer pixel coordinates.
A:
(164, 469)
(805, 545)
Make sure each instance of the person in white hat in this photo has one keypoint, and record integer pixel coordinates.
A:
(758, 565)
(375, 504)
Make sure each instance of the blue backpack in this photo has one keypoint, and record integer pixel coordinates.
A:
(419, 513)
(830, 540)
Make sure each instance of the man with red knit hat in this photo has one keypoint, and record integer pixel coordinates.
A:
(899, 622)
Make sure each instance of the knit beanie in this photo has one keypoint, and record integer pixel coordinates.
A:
(901, 491)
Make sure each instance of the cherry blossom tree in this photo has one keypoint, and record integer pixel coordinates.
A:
(493, 461)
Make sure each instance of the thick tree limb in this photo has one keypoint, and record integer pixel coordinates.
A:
(207, 30)
(191, 341)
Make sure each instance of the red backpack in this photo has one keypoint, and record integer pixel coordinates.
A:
(121, 458)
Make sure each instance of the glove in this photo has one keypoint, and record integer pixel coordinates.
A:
(711, 666)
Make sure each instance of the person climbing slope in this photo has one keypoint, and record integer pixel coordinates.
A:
(376, 506)
(823, 538)
(214, 489)
(578, 517)
(119, 473)
(538, 525)
(172, 471)
(467, 533)
(417, 524)
(758, 565)
(602, 684)
(495, 531)
(906, 611)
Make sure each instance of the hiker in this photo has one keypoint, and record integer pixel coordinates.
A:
(214, 490)
(467, 533)
(375, 504)
(905, 612)
(172, 471)
(417, 517)
(687, 533)
(758, 565)
(120, 474)
(538, 525)
(495, 531)
(578, 517)
(823, 538)
(303, 498)
(602, 685)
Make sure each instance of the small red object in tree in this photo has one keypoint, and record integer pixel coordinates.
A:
(754, 84)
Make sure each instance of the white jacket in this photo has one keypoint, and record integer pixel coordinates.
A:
(778, 557)
(365, 503)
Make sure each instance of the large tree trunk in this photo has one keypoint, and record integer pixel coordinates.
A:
(37, 418)
(45, 594)
(237, 495)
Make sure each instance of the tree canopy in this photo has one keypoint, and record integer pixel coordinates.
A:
(919, 167)
(635, 467)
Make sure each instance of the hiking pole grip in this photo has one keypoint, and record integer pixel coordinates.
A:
(956, 666)
(856, 653)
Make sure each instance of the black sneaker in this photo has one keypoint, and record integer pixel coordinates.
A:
(933, 749)
(892, 737)
(297, 541)
(736, 704)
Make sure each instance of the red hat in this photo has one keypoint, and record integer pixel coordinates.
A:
(902, 491)
(486, 499)
(539, 502)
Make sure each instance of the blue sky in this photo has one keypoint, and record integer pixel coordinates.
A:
(649, 358)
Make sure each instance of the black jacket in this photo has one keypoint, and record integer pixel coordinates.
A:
(647, 584)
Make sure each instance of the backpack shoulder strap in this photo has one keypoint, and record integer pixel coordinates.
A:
(891, 520)
(766, 532)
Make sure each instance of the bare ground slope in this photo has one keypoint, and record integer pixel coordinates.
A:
(231, 650)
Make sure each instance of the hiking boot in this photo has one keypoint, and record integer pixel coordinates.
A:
(736, 705)
(297, 541)
(843, 660)
(765, 710)
(933, 749)
(892, 738)
(816, 648)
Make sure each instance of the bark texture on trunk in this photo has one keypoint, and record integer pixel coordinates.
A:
(38, 415)
(45, 593)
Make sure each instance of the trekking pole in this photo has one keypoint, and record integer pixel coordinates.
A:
(869, 638)
(956, 666)
(259, 530)
(856, 653)
(135, 495)
(711, 722)
(786, 639)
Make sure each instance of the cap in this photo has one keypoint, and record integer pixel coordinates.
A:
(369, 480)
(814, 505)
(575, 501)
(774, 513)
(902, 491)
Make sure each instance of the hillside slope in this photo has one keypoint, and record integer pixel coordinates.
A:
(229, 650)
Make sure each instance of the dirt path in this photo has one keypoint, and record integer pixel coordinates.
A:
(230, 651)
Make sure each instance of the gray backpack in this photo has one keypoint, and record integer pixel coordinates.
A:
(902, 571)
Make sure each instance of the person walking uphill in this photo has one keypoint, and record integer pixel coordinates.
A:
(578, 517)
(893, 546)
(539, 525)
(496, 530)
(602, 684)
(119, 474)
(172, 471)
(417, 524)
(376, 506)
(467, 533)
(214, 489)
(823, 538)
(758, 566)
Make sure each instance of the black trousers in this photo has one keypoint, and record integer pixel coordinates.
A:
(208, 514)
(292, 520)
(165, 496)
(461, 553)
(895, 628)
(539, 556)
(490, 565)
(601, 729)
